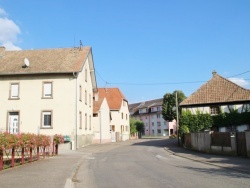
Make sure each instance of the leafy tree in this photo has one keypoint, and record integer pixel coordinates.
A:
(136, 126)
(169, 102)
(132, 126)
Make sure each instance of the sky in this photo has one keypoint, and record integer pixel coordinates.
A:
(145, 48)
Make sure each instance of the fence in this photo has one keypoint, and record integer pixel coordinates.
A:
(10, 158)
(227, 143)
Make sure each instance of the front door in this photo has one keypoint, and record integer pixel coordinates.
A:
(13, 123)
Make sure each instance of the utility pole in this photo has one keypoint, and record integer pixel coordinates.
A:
(177, 118)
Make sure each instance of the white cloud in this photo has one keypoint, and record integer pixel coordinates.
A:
(9, 32)
(240, 81)
(2, 12)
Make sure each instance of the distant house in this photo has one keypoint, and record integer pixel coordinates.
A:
(150, 113)
(219, 94)
(111, 116)
(48, 91)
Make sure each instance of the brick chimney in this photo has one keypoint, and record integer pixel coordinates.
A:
(2, 51)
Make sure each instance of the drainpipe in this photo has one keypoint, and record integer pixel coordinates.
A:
(100, 112)
(75, 76)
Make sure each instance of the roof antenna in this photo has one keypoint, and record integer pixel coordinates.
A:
(80, 44)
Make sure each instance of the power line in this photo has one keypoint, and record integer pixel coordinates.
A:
(164, 83)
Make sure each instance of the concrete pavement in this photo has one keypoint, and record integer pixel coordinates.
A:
(240, 164)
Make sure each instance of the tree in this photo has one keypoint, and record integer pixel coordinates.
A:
(136, 126)
(169, 102)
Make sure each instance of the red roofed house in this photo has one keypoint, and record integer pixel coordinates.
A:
(111, 116)
(219, 93)
(48, 91)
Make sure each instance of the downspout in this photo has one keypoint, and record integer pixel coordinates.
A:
(75, 76)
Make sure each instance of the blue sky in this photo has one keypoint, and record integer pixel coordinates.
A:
(146, 48)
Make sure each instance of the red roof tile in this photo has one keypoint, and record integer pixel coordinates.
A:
(217, 90)
(113, 96)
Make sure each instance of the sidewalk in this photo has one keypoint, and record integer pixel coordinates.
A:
(240, 164)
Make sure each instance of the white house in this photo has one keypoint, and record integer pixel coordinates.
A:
(219, 94)
(150, 113)
(48, 91)
(111, 116)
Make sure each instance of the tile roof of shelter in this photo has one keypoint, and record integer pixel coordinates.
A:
(113, 96)
(217, 90)
(59, 60)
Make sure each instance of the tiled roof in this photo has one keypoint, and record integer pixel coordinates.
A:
(60, 60)
(145, 104)
(113, 96)
(217, 90)
(97, 105)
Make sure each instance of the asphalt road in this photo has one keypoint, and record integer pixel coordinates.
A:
(144, 163)
(130, 164)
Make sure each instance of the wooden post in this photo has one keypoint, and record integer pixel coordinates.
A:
(44, 152)
(1, 160)
(37, 153)
(56, 149)
(22, 160)
(53, 149)
(13, 157)
(31, 159)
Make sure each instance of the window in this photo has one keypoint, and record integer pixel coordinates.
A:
(158, 123)
(90, 100)
(159, 108)
(86, 75)
(80, 93)
(159, 131)
(152, 123)
(126, 116)
(214, 110)
(46, 119)
(80, 120)
(86, 122)
(122, 115)
(14, 90)
(86, 96)
(89, 122)
(47, 89)
(158, 115)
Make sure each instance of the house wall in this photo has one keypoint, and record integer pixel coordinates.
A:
(224, 108)
(31, 104)
(65, 105)
(150, 129)
(102, 125)
(121, 122)
(85, 133)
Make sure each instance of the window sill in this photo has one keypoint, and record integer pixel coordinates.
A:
(47, 98)
(14, 98)
(46, 127)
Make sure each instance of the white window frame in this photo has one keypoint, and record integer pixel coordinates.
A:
(47, 112)
(47, 91)
(14, 90)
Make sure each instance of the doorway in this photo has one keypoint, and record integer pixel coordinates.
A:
(13, 124)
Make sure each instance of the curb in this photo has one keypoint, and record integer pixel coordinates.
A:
(205, 162)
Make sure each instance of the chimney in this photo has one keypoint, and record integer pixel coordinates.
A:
(214, 72)
(2, 51)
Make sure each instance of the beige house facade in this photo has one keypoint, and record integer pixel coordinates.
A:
(48, 92)
(111, 116)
